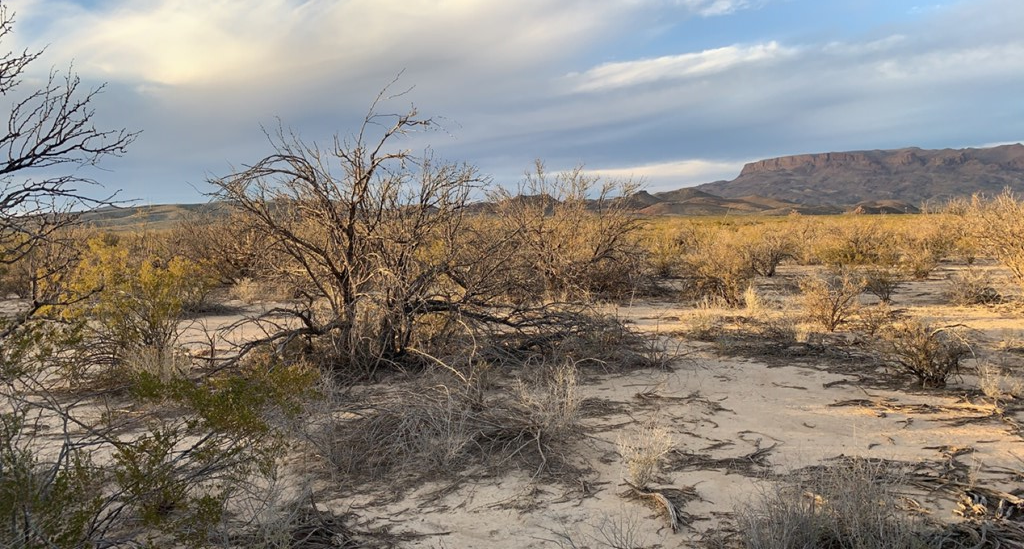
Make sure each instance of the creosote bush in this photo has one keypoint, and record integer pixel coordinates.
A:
(127, 304)
(715, 264)
(831, 300)
(997, 224)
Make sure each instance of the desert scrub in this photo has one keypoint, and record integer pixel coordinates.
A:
(853, 505)
(125, 302)
(663, 249)
(643, 453)
(855, 240)
(931, 354)
(715, 264)
(766, 247)
(882, 281)
(423, 428)
(971, 286)
(997, 225)
(831, 299)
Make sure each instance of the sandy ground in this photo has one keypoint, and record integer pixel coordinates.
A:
(736, 422)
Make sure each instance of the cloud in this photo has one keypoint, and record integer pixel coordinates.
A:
(514, 81)
(670, 67)
(675, 174)
(207, 42)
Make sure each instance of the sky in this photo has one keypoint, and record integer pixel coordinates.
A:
(671, 93)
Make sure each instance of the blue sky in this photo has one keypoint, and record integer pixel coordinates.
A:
(674, 92)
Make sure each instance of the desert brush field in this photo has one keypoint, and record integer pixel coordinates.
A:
(547, 372)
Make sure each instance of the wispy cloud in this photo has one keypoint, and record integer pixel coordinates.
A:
(712, 8)
(210, 42)
(675, 174)
(673, 67)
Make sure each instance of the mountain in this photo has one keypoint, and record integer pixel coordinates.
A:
(690, 201)
(154, 217)
(897, 180)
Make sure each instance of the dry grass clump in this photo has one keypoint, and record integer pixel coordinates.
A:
(420, 430)
(931, 354)
(994, 383)
(972, 287)
(854, 507)
(642, 453)
(831, 300)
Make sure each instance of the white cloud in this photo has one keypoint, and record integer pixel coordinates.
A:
(211, 42)
(673, 67)
(674, 174)
(712, 8)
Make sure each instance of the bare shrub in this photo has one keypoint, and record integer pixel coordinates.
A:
(388, 267)
(642, 453)
(873, 319)
(830, 300)
(882, 281)
(571, 235)
(931, 354)
(971, 286)
(223, 241)
(854, 506)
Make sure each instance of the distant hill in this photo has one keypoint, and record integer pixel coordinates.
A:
(878, 181)
(137, 217)
(887, 180)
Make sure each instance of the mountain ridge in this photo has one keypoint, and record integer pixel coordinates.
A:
(911, 175)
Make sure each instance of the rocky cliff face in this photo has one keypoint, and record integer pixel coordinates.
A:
(910, 175)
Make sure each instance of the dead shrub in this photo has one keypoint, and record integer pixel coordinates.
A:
(931, 354)
(831, 299)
